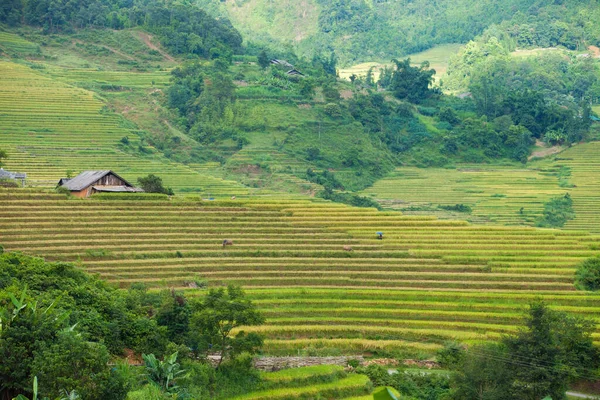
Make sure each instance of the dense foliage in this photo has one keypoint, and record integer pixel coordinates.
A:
(541, 360)
(63, 326)
(183, 27)
(362, 30)
(549, 93)
(557, 212)
(407, 82)
(587, 276)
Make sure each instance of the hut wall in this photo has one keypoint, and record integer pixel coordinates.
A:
(82, 193)
(109, 180)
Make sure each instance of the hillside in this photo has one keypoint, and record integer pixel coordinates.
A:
(362, 30)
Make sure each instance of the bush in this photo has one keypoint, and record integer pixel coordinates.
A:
(587, 276)
(557, 212)
(333, 110)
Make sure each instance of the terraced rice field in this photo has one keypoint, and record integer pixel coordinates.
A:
(584, 162)
(427, 282)
(502, 195)
(11, 43)
(49, 127)
(324, 381)
(85, 77)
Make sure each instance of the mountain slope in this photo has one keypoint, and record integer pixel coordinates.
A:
(367, 30)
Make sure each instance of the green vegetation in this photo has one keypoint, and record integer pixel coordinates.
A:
(541, 360)
(183, 28)
(557, 212)
(61, 327)
(221, 121)
(587, 276)
(361, 30)
(154, 184)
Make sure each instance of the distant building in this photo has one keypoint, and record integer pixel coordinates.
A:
(282, 63)
(13, 176)
(289, 68)
(89, 182)
(294, 72)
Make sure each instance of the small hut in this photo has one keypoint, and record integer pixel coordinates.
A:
(89, 182)
(13, 176)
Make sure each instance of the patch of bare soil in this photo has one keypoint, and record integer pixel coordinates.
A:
(595, 51)
(545, 150)
(305, 106)
(346, 94)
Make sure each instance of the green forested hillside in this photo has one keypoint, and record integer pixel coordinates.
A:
(366, 30)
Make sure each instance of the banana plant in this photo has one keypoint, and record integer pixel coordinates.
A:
(35, 392)
(164, 373)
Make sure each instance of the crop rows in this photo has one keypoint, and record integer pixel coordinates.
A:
(14, 44)
(427, 282)
(501, 195)
(496, 194)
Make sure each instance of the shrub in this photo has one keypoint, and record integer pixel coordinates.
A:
(587, 276)
(333, 110)
(557, 212)
(458, 208)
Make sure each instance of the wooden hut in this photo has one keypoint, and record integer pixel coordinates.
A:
(89, 182)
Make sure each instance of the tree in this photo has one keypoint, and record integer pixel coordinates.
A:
(587, 276)
(263, 59)
(153, 184)
(412, 83)
(217, 315)
(483, 374)
(554, 349)
(3, 155)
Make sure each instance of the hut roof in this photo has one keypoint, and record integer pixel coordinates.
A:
(4, 174)
(282, 62)
(87, 178)
(295, 72)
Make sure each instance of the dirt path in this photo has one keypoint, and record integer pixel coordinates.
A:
(545, 151)
(147, 39)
